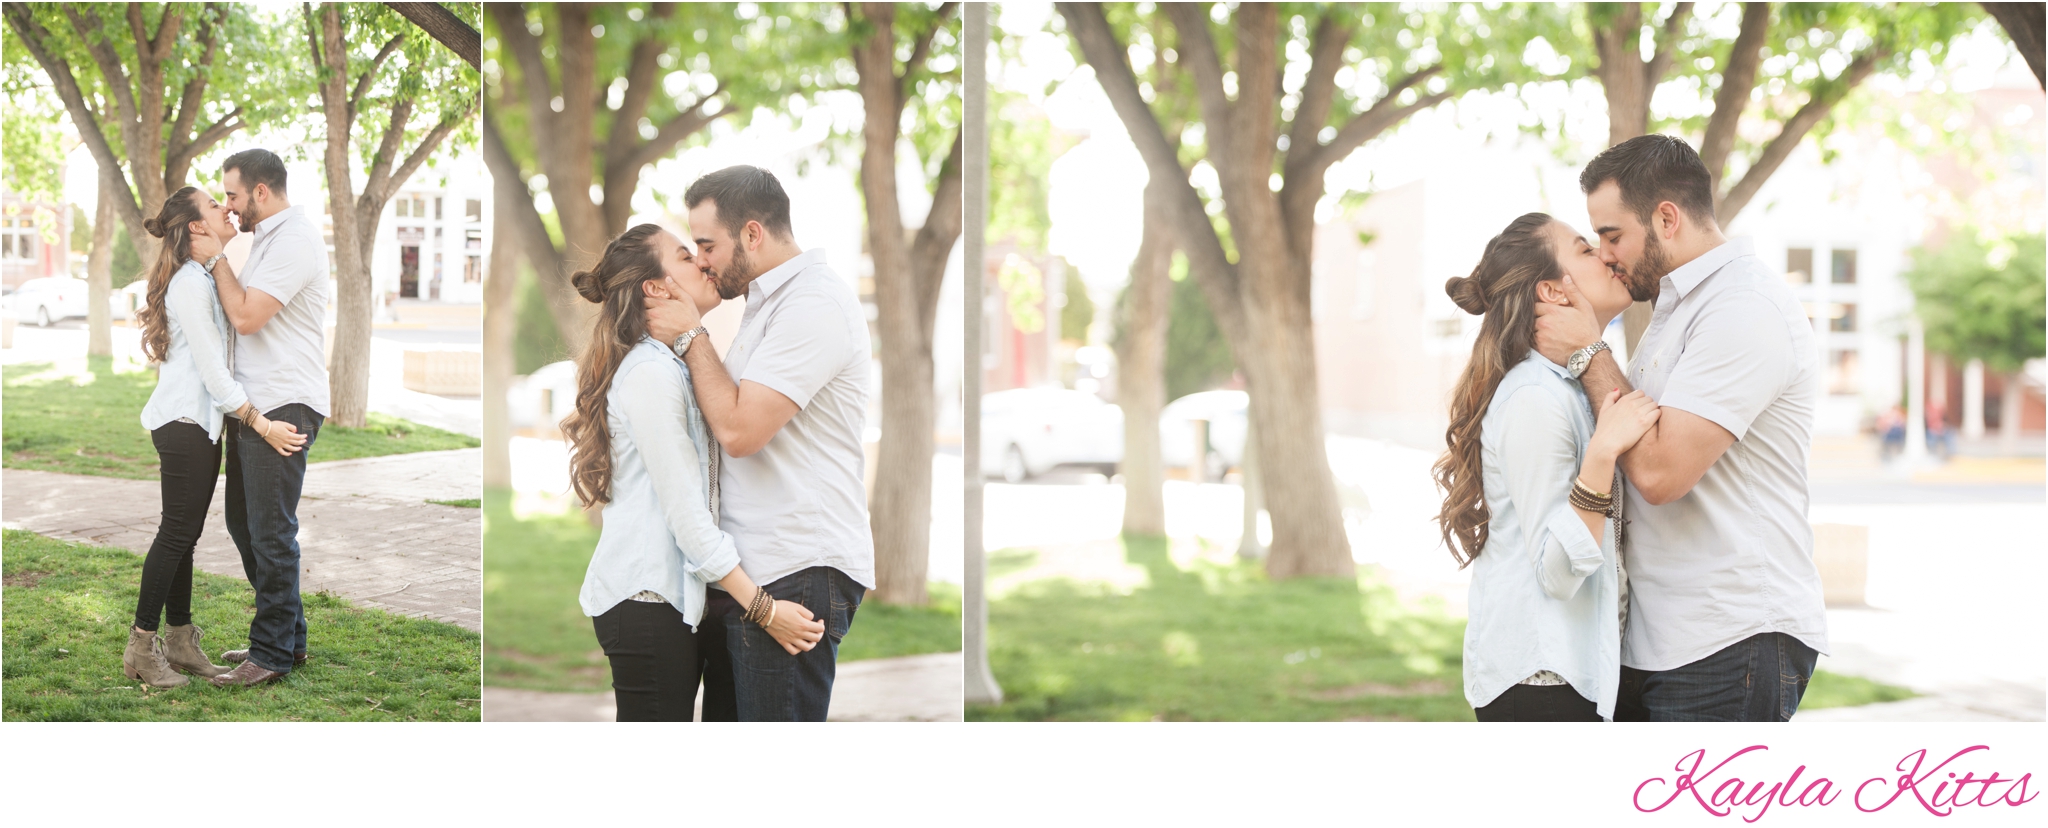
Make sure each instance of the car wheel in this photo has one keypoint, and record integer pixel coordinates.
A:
(1014, 470)
(43, 317)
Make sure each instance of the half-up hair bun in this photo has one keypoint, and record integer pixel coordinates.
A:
(1468, 294)
(154, 226)
(589, 286)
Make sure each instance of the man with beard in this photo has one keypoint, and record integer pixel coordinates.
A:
(279, 310)
(1726, 612)
(787, 405)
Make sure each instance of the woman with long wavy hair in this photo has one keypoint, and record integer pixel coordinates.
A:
(640, 446)
(185, 332)
(1530, 482)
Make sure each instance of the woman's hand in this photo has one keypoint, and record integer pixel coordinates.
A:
(1623, 421)
(281, 435)
(795, 628)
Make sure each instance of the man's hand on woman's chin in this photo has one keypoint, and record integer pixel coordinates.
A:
(205, 245)
(671, 318)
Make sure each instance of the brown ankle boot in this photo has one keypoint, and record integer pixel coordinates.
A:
(144, 661)
(182, 652)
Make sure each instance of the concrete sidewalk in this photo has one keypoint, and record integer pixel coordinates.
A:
(920, 688)
(366, 532)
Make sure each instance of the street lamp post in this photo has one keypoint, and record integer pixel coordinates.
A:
(981, 685)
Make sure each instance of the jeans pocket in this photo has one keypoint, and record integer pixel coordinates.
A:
(845, 595)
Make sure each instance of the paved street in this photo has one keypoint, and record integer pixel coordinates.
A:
(366, 532)
(1954, 562)
(922, 688)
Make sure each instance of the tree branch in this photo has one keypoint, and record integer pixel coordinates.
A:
(920, 51)
(1385, 113)
(641, 68)
(193, 98)
(355, 96)
(1319, 90)
(446, 28)
(1738, 79)
(1667, 46)
(1198, 53)
(533, 68)
(934, 241)
(33, 35)
(1197, 237)
(674, 131)
(1826, 95)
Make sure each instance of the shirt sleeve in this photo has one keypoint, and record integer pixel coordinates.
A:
(190, 302)
(1539, 458)
(651, 399)
(288, 264)
(1738, 357)
(803, 347)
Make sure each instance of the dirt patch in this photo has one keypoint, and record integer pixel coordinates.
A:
(25, 580)
(1368, 689)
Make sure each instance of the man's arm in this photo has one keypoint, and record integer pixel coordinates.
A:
(1676, 452)
(743, 416)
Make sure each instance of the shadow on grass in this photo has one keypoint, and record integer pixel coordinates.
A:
(69, 607)
(91, 423)
(1214, 640)
(537, 637)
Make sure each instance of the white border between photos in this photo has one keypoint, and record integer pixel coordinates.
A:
(988, 774)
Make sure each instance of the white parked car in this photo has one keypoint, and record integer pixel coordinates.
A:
(49, 299)
(1028, 431)
(1226, 413)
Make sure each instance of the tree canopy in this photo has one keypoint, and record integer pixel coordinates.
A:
(1983, 296)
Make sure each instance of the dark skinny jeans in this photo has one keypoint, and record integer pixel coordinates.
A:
(188, 466)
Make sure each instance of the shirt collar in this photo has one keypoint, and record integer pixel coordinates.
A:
(265, 226)
(1692, 273)
(1555, 368)
(773, 280)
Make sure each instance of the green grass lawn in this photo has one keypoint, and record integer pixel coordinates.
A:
(463, 503)
(90, 423)
(1183, 631)
(69, 607)
(537, 637)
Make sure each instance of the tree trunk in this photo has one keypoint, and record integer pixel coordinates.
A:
(501, 326)
(1278, 360)
(2010, 408)
(1141, 370)
(348, 368)
(99, 270)
(900, 515)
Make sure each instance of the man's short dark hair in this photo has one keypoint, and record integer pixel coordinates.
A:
(1652, 169)
(743, 194)
(258, 166)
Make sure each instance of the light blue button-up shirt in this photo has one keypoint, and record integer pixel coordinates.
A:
(660, 533)
(1545, 593)
(194, 382)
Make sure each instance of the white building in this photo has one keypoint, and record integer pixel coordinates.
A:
(431, 238)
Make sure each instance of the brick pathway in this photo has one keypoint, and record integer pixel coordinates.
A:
(365, 530)
(920, 688)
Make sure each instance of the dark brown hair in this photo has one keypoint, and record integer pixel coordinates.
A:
(172, 224)
(614, 284)
(1650, 170)
(1503, 290)
(258, 166)
(743, 194)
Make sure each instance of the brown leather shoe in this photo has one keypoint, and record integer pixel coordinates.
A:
(239, 656)
(244, 675)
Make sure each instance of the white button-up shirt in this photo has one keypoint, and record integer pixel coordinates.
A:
(799, 502)
(286, 361)
(194, 382)
(660, 528)
(1733, 558)
(1545, 593)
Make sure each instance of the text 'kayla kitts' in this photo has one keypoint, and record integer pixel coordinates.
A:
(1942, 788)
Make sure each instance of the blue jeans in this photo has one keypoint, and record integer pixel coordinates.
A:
(263, 518)
(1758, 679)
(750, 678)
